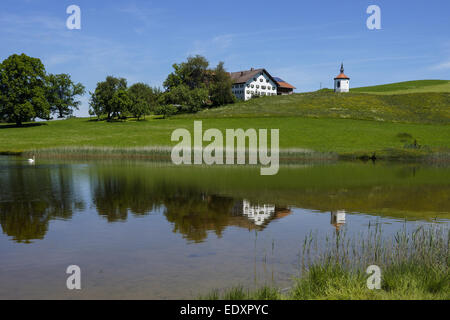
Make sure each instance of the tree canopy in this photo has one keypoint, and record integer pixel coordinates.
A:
(192, 86)
(61, 94)
(23, 89)
(220, 88)
(101, 101)
(192, 73)
(144, 99)
(27, 92)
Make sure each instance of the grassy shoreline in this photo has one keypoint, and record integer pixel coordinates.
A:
(325, 138)
(286, 156)
(414, 265)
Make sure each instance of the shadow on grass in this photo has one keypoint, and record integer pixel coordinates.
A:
(120, 120)
(25, 125)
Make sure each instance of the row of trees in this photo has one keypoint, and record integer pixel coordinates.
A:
(27, 92)
(192, 86)
(113, 99)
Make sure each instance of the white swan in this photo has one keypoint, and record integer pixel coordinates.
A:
(31, 160)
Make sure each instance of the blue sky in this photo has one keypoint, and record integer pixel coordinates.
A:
(302, 42)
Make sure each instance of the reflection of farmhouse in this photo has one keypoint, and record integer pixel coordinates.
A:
(259, 214)
(338, 218)
(257, 82)
(194, 215)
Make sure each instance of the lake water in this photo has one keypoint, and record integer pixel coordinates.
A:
(155, 231)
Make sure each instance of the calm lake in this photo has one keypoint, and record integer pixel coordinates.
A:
(156, 231)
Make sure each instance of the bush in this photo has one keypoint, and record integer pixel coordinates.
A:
(166, 110)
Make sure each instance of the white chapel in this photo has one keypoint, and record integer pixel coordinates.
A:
(342, 82)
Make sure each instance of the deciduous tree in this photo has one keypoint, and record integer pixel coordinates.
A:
(121, 103)
(144, 99)
(220, 88)
(23, 89)
(101, 99)
(62, 93)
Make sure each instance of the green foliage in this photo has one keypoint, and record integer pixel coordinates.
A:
(138, 108)
(192, 73)
(220, 88)
(197, 99)
(144, 99)
(23, 89)
(61, 94)
(166, 110)
(101, 101)
(194, 87)
(120, 104)
(188, 100)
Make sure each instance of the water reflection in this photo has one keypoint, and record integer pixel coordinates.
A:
(193, 212)
(31, 198)
(338, 219)
(197, 202)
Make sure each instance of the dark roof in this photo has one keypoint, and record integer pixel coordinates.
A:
(244, 76)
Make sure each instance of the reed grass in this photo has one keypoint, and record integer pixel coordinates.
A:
(291, 155)
(414, 265)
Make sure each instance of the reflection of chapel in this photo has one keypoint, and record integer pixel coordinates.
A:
(338, 219)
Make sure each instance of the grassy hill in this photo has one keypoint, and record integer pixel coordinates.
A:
(419, 86)
(322, 121)
(426, 107)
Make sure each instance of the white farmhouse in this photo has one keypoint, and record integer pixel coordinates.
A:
(253, 82)
(342, 82)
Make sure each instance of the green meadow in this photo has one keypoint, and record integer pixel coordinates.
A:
(324, 135)
(418, 86)
(393, 124)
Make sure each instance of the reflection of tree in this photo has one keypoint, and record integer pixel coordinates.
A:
(193, 211)
(115, 195)
(31, 197)
(24, 221)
